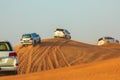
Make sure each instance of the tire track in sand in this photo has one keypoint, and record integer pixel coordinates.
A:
(60, 54)
(41, 60)
(41, 57)
(25, 60)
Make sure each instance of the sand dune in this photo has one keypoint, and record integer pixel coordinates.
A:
(103, 70)
(60, 56)
(57, 53)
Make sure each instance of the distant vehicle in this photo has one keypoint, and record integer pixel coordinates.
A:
(30, 38)
(62, 33)
(107, 40)
(8, 57)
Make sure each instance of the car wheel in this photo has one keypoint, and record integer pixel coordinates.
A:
(34, 43)
(15, 72)
(55, 36)
(70, 37)
(23, 45)
(39, 41)
(12, 72)
(66, 37)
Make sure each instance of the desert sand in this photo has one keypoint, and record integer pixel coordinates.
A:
(59, 59)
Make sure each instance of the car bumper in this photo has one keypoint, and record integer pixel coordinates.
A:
(8, 68)
(61, 36)
(29, 42)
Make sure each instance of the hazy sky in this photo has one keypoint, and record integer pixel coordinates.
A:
(87, 20)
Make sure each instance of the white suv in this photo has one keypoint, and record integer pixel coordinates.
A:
(107, 40)
(8, 57)
(30, 38)
(62, 33)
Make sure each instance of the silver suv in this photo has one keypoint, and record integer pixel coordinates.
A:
(30, 38)
(62, 33)
(8, 57)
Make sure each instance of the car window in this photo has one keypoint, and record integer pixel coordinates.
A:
(67, 31)
(59, 30)
(109, 38)
(100, 39)
(5, 46)
(34, 35)
(37, 35)
(26, 36)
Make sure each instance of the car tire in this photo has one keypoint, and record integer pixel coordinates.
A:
(69, 37)
(39, 41)
(55, 36)
(65, 37)
(12, 72)
(34, 42)
(15, 72)
(23, 45)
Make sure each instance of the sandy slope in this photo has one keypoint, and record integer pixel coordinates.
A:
(104, 70)
(58, 53)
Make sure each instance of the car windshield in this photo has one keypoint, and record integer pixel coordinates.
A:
(26, 36)
(5, 46)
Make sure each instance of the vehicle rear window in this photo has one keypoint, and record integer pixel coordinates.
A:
(100, 39)
(26, 36)
(59, 30)
(5, 46)
(109, 38)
